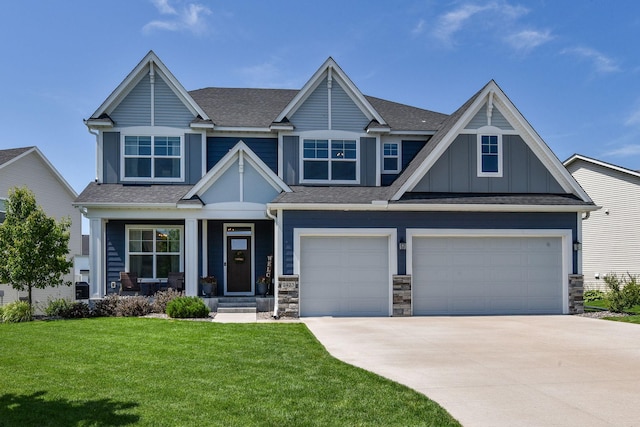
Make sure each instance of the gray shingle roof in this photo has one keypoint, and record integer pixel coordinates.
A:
(340, 195)
(492, 199)
(96, 193)
(259, 108)
(11, 153)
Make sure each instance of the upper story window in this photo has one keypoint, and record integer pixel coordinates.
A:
(153, 252)
(490, 155)
(334, 160)
(153, 157)
(391, 157)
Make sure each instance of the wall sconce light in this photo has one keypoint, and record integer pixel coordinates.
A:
(402, 245)
(577, 246)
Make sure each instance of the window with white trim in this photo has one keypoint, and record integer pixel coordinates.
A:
(329, 160)
(152, 157)
(391, 157)
(490, 155)
(3, 210)
(154, 251)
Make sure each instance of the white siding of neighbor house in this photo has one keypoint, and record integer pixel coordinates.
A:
(610, 236)
(55, 199)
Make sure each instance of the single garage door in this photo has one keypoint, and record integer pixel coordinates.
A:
(487, 275)
(344, 276)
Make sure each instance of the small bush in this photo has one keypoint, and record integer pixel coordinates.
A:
(107, 306)
(623, 292)
(593, 295)
(67, 309)
(17, 311)
(162, 298)
(56, 307)
(187, 307)
(133, 306)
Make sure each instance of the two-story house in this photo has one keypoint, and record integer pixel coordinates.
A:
(369, 207)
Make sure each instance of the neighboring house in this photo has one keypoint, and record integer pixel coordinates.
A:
(610, 236)
(81, 261)
(28, 167)
(370, 207)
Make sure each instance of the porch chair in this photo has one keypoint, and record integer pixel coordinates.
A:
(176, 281)
(129, 282)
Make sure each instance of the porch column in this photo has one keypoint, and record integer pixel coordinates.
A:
(96, 258)
(191, 257)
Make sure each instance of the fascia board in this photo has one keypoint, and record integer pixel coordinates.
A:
(429, 207)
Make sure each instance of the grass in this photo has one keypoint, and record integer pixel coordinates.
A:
(153, 372)
(603, 304)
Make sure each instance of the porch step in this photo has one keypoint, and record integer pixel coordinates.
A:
(237, 305)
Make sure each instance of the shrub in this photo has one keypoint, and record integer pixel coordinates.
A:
(187, 307)
(67, 309)
(17, 311)
(107, 306)
(623, 292)
(1, 314)
(133, 306)
(56, 307)
(163, 298)
(593, 295)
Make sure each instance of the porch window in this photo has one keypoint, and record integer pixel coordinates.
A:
(152, 252)
(152, 157)
(330, 160)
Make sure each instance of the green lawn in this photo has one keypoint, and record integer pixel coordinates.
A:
(603, 304)
(154, 372)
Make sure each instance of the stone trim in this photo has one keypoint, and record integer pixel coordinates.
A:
(401, 296)
(289, 296)
(576, 289)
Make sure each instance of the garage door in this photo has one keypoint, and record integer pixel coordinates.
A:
(487, 275)
(344, 276)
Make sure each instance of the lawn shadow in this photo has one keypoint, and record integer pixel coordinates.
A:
(34, 410)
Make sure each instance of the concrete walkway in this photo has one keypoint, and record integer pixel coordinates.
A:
(502, 371)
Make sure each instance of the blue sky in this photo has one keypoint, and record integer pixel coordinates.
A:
(573, 71)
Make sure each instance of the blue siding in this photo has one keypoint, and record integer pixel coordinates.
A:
(193, 160)
(314, 113)
(403, 220)
(265, 148)
(111, 157)
(409, 151)
(345, 114)
(168, 108)
(290, 159)
(135, 108)
(497, 119)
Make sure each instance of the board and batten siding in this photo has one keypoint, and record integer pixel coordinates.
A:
(456, 170)
(610, 236)
(265, 148)
(55, 199)
(403, 220)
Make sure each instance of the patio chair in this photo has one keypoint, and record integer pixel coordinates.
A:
(176, 281)
(129, 282)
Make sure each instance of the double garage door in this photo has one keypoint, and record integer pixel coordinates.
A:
(351, 275)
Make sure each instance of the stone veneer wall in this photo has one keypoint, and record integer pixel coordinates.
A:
(576, 289)
(289, 296)
(401, 295)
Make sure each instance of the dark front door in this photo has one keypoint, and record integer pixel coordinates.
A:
(239, 264)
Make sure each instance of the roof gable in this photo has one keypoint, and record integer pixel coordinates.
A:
(149, 66)
(328, 72)
(579, 157)
(489, 97)
(242, 157)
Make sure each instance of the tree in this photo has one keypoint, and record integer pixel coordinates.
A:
(33, 246)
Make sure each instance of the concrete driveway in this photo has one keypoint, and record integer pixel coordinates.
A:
(502, 371)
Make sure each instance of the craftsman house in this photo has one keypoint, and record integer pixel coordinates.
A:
(369, 207)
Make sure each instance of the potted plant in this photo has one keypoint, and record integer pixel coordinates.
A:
(262, 285)
(209, 286)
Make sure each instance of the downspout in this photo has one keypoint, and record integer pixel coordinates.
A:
(276, 263)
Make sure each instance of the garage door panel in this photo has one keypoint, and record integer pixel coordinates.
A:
(344, 276)
(485, 275)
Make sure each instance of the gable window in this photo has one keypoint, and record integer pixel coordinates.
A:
(153, 157)
(153, 252)
(329, 160)
(391, 157)
(490, 155)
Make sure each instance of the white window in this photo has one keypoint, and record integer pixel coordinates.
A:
(154, 251)
(391, 162)
(152, 157)
(334, 160)
(489, 155)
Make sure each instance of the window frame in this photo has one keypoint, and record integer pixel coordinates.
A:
(153, 134)
(489, 131)
(155, 253)
(330, 136)
(397, 156)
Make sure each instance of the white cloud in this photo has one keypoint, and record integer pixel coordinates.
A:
(602, 63)
(527, 40)
(190, 18)
(419, 28)
(625, 150)
(633, 119)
